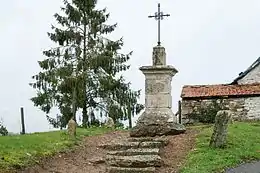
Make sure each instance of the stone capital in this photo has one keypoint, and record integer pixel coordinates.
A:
(165, 69)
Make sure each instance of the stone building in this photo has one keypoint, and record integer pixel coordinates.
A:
(241, 97)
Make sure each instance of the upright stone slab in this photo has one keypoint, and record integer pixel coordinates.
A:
(72, 126)
(110, 123)
(158, 118)
(219, 136)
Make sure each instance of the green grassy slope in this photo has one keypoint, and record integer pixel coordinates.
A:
(243, 145)
(22, 150)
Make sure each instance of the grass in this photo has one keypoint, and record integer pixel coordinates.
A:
(243, 144)
(22, 150)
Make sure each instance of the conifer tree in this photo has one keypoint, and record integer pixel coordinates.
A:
(83, 66)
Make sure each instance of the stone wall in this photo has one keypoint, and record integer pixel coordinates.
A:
(247, 108)
(252, 77)
(253, 106)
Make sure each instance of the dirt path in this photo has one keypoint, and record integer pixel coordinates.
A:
(174, 154)
(89, 157)
(81, 160)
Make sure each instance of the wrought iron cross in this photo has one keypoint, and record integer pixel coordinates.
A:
(159, 16)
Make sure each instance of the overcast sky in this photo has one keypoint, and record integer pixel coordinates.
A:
(208, 41)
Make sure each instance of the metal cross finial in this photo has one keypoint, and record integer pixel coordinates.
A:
(159, 16)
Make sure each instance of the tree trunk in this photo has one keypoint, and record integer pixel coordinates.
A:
(129, 116)
(74, 103)
(85, 119)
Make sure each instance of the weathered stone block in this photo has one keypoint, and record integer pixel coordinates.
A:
(153, 87)
(153, 116)
(158, 101)
(110, 123)
(162, 139)
(137, 161)
(141, 130)
(120, 145)
(125, 145)
(138, 151)
(218, 138)
(131, 170)
(159, 56)
(72, 126)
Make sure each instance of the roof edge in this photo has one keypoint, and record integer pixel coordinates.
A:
(248, 70)
(182, 95)
(220, 97)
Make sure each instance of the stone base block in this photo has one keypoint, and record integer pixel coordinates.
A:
(157, 116)
(152, 130)
(157, 122)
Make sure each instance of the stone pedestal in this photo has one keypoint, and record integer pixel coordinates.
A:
(158, 118)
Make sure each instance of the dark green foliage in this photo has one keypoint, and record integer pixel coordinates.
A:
(80, 72)
(93, 120)
(3, 130)
(123, 104)
(58, 122)
(206, 114)
(119, 125)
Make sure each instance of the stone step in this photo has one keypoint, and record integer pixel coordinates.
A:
(119, 145)
(164, 140)
(137, 161)
(131, 170)
(131, 145)
(151, 144)
(138, 151)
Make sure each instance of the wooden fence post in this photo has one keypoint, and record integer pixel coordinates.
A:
(22, 121)
(179, 107)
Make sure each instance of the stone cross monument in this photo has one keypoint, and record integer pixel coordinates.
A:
(158, 118)
(159, 16)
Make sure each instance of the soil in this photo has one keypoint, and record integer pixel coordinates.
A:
(175, 153)
(88, 157)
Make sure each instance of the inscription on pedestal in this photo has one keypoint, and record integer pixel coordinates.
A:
(158, 101)
(153, 87)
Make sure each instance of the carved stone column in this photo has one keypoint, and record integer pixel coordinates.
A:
(158, 118)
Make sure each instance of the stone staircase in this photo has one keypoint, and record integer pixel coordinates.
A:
(134, 155)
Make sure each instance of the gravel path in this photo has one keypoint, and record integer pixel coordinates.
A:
(253, 167)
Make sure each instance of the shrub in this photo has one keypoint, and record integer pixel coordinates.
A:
(206, 114)
(3, 130)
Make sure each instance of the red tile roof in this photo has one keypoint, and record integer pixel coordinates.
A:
(193, 91)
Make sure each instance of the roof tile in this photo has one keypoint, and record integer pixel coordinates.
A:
(192, 91)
